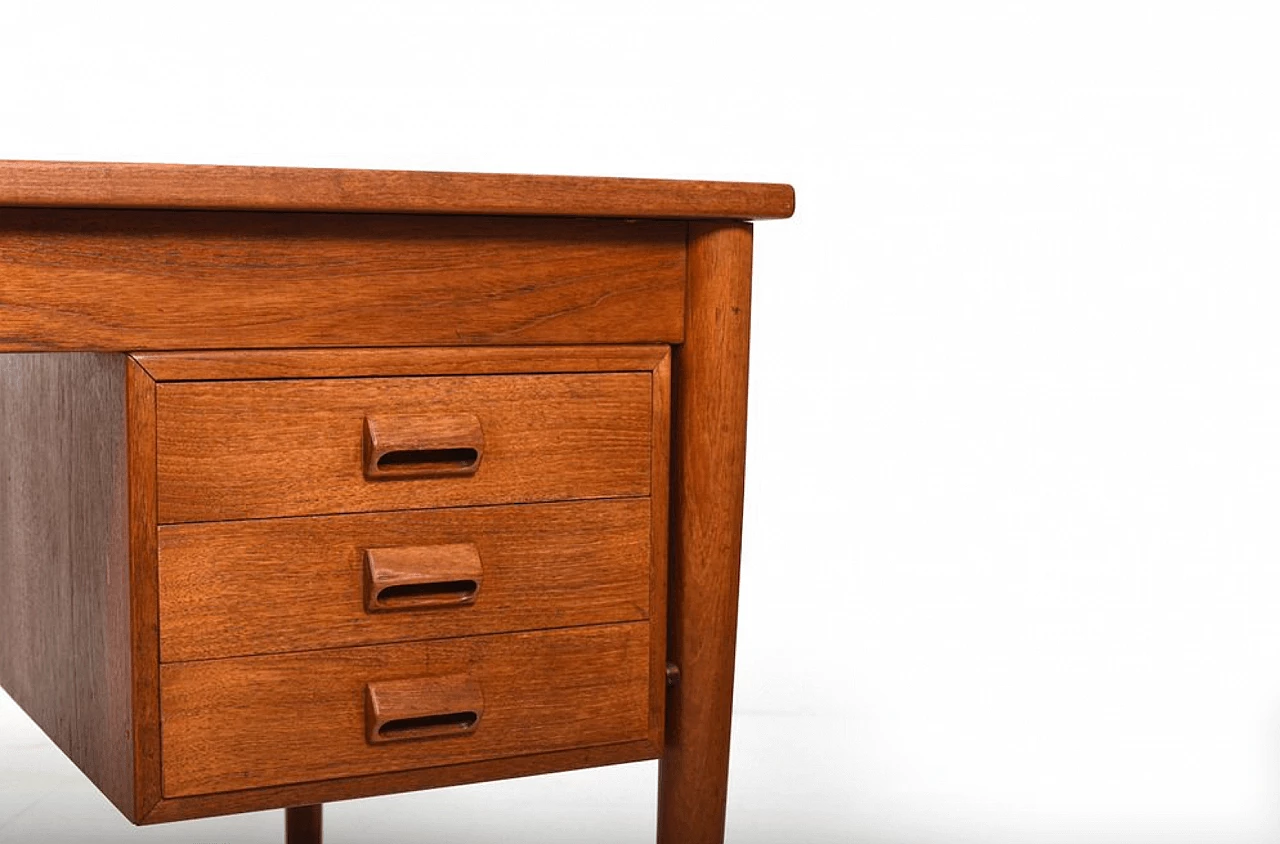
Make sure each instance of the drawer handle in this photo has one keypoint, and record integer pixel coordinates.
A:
(406, 447)
(435, 707)
(421, 577)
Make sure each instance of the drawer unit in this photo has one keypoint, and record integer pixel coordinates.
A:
(300, 516)
(317, 485)
(289, 585)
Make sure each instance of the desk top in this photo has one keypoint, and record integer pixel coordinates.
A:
(54, 184)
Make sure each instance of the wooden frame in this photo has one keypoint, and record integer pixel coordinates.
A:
(88, 254)
(708, 461)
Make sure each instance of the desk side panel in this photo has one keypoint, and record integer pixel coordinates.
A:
(65, 644)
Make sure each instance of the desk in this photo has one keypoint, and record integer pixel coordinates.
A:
(323, 484)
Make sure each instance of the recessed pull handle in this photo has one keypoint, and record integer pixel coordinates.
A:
(435, 707)
(405, 447)
(421, 577)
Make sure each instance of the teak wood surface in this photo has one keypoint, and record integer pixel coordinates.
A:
(404, 578)
(153, 280)
(145, 600)
(189, 187)
(258, 449)
(270, 364)
(708, 461)
(274, 585)
(230, 351)
(251, 722)
(65, 646)
(394, 708)
(348, 788)
(303, 824)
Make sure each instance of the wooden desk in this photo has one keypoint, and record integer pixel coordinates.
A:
(322, 484)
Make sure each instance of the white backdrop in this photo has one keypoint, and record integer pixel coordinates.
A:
(1011, 559)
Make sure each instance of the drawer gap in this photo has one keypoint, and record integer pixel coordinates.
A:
(412, 594)
(443, 458)
(427, 726)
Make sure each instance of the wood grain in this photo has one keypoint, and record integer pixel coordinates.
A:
(257, 799)
(143, 586)
(660, 503)
(404, 578)
(66, 655)
(304, 824)
(414, 445)
(274, 720)
(422, 708)
(708, 459)
(257, 449)
(154, 280)
(265, 364)
(273, 585)
(98, 185)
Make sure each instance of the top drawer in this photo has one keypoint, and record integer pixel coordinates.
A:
(258, 449)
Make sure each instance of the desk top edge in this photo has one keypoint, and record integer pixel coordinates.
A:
(74, 184)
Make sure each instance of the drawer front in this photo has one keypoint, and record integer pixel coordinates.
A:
(272, 720)
(256, 449)
(275, 585)
(138, 280)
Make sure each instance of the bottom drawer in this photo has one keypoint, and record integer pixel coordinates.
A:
(249, 722)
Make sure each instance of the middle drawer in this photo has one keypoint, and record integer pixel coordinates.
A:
(275, 585)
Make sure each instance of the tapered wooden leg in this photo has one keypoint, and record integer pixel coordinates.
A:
(708, 456)
(304, 824)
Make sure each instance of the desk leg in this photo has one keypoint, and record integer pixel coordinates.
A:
(304, 824)
(708, 457)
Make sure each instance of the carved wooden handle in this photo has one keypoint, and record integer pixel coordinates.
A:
(434, 707)
(421, 577)
(422, 446)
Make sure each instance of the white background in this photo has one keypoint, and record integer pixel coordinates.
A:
(1011, 557)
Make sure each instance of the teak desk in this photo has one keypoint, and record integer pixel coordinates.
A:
(321, 484)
